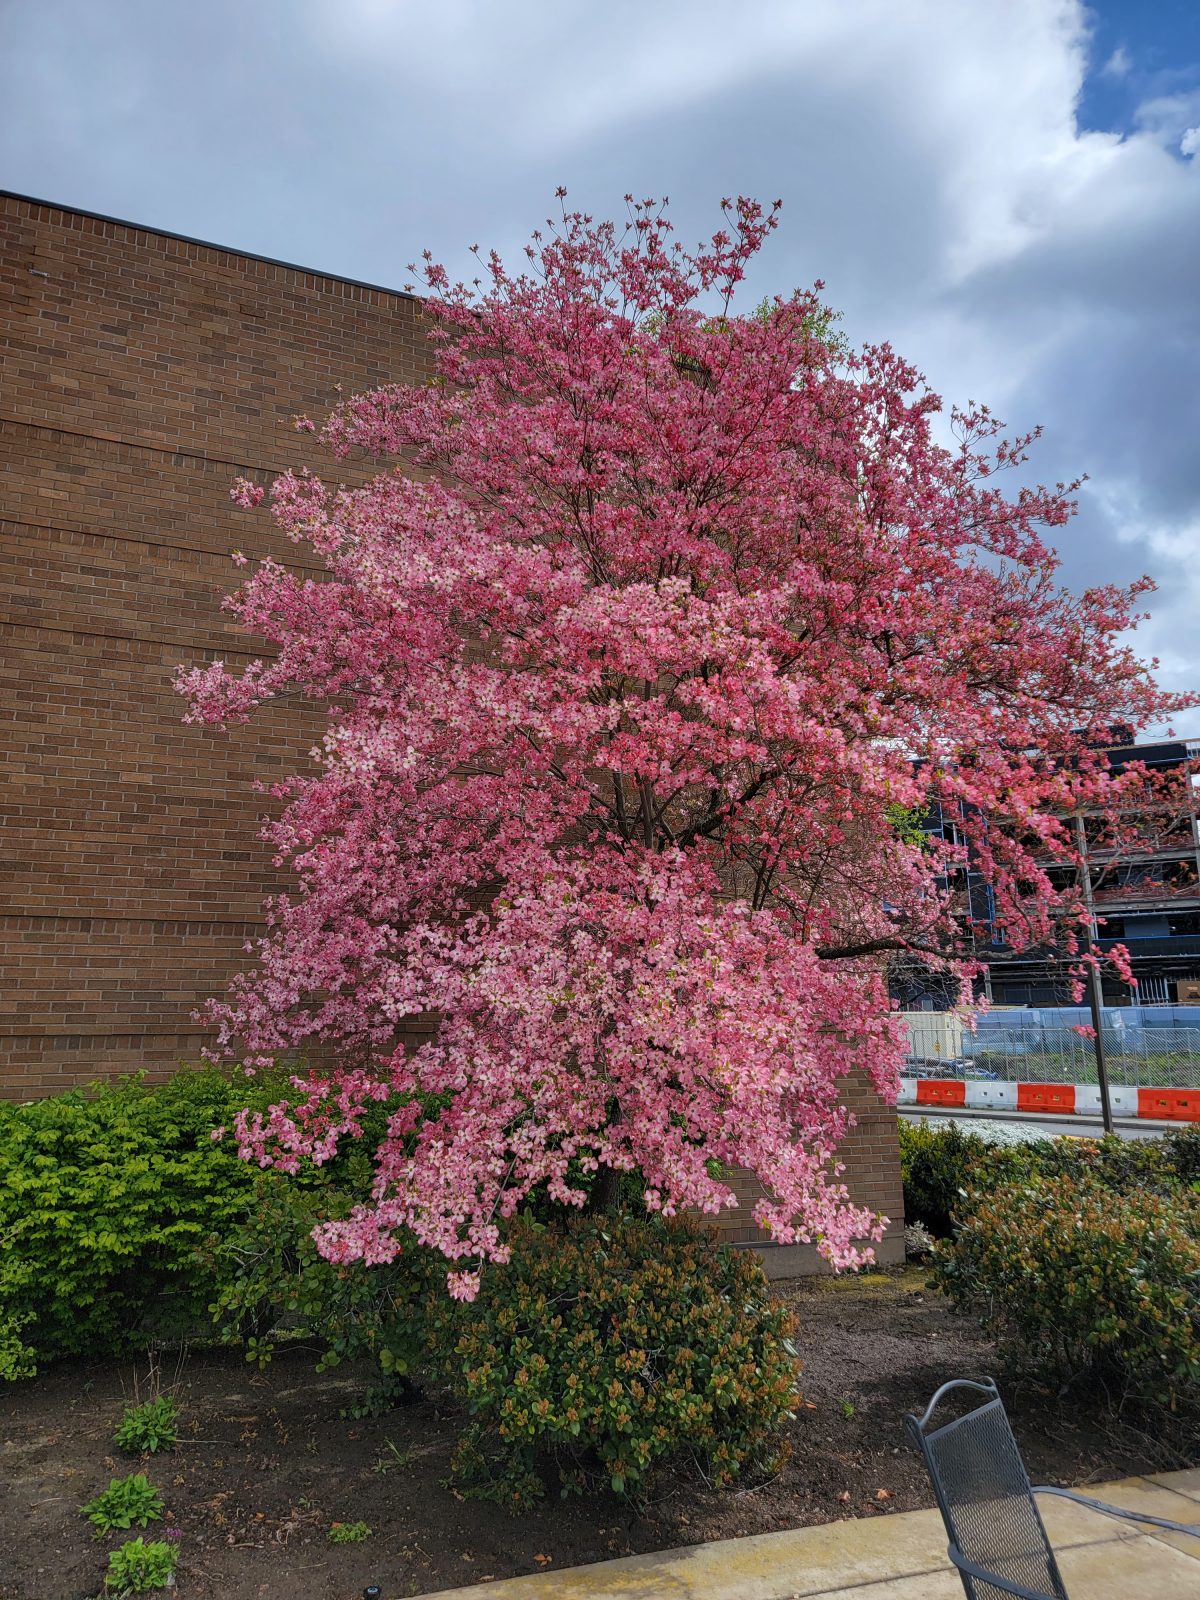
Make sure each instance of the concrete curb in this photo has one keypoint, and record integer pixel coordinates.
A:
(899, 1557)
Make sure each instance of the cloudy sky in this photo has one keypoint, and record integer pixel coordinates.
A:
(1009, 190)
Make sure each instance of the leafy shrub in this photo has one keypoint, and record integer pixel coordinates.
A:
(103, 1200)
(942, 1167)
(273, 1285)
(149, 1427)
(1126, 1166)
(110, 1203)
(1081, 1279)
(126, 1502)
(137, 1567)
(612, 1344)
(1182, 1146)
(937, 1165)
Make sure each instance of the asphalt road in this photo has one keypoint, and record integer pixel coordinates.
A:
(1037, 1122)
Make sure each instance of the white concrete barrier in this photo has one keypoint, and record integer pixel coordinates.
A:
(1124, 1101)
(981, 1093)
(1087, 1099)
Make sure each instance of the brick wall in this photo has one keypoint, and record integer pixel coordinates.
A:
(872, 1158)
(139, 374)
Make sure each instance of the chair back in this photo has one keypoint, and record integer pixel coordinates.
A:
(983, 1492)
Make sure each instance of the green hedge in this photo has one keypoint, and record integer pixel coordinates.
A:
(937, 1165)
(117, 1208)
(104, 1197)
(944, 1167)
(1081, 1278)
(1182, 1146)
(111, 1198)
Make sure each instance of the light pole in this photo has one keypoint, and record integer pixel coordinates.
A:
(1095, 992)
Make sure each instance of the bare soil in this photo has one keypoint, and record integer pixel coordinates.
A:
(267, 1463)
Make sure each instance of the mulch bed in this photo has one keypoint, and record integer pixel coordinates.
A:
(267, 1463)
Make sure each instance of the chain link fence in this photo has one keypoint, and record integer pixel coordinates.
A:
(1043, 1047)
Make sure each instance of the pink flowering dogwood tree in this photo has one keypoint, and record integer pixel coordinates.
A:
(655, 632)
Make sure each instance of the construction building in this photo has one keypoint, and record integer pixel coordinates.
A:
(1147, 899)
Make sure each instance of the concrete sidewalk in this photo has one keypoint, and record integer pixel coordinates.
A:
(900, 1557)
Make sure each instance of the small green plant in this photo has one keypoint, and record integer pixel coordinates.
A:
(126, 1502)
(137, 1567)
(848, 1410)
(348, 1532)
(390, 1457)
(379, 1396)
(149, 1427)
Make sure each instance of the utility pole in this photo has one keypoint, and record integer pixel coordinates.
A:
(1095, 992)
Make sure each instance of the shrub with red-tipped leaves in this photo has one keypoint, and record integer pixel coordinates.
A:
(611, 1348)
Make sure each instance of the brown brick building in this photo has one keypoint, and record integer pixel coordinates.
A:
(141, 372)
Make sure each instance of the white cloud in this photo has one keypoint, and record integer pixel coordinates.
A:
(1118, 64)
(1169, 118)
(928, 154)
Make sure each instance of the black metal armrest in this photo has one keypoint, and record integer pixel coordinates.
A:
(1119, 1511)
(986, 1575)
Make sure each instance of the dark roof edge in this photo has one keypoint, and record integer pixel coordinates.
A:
(208, 244)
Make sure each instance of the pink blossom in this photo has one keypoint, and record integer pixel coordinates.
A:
(246, 493)
(622, 698)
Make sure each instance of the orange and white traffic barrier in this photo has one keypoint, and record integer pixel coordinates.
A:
(1052, 1099)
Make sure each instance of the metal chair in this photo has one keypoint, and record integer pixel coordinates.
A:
(997, 1539)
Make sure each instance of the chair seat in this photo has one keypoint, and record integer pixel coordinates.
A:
(998, 1541)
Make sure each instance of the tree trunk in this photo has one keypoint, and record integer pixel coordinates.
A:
(606, 1191)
